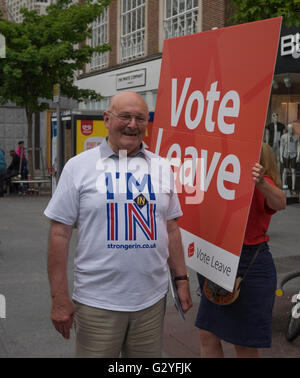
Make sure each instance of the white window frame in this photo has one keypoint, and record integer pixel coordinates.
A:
(133, 29)
(99, 37)
(181, 17)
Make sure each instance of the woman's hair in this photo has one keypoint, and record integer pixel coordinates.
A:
(268, 161)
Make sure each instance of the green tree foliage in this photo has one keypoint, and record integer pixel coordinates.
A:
(47, 49)
(254, 10)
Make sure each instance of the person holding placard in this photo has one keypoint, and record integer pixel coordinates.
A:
(247, 322)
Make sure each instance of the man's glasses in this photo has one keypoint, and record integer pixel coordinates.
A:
(127, 117)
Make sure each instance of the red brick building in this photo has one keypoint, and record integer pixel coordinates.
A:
(136, 30)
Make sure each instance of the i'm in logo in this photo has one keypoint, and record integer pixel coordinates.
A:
(2, 47)
(141, 201)
(138, 214)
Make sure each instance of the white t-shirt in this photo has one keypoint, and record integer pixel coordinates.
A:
(121, 212)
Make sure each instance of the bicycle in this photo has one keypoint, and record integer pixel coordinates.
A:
(293, 326)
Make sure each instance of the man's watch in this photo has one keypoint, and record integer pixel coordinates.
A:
(182, 278)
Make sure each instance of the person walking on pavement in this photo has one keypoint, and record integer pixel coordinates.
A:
(247, 322)
(23, 168)
(127, 236)
(2, 171)
(11, 171)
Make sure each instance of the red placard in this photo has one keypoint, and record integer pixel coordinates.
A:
(210, 115)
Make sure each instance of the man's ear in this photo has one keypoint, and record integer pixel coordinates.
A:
(106, 119)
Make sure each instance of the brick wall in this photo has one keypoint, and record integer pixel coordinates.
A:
(153, 27)
(213, 14)
(3, 9)
(112, 33)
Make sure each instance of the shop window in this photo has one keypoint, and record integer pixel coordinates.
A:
(285, 99)
(104, 103)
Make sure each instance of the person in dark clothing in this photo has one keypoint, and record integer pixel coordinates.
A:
(12, 170)
(2, 170)
(20, 151)
(247, 322)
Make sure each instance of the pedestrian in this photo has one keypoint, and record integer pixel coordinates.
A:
(247, 322)
(12, 171)
(23, 168)
(2, 171)
(127, 236)
(20, 151)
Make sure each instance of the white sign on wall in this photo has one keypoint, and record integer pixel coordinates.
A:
(290, 45)
(131, 79)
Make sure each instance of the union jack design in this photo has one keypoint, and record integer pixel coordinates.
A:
(133, 217)
(112, 221)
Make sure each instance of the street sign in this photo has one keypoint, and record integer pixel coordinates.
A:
(56, 92)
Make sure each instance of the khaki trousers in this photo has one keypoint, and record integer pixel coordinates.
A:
(110, 334)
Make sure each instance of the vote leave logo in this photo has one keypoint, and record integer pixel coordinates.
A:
(191, 249)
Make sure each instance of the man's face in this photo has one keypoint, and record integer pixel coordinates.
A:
(126, 122)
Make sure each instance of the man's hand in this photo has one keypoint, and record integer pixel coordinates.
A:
(184, 295)
(62, 315)
(177, 264)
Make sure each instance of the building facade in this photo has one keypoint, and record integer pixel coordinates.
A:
(285, 100)
(13, 8)
(136, 30)
(13, 121)
(3, 8)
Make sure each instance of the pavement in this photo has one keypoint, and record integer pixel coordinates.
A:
(27, 332)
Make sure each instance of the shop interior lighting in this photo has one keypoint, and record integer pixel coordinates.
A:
(275, 84)
(287, 82)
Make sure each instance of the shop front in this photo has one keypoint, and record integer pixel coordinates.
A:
(282, 130)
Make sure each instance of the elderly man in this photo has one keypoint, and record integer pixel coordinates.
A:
(127, 234)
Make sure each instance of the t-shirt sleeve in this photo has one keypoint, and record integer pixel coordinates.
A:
(174, 210)
(64, 204)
